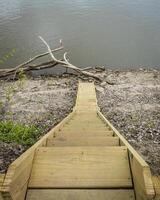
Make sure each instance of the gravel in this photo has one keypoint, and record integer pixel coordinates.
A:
(131, 102)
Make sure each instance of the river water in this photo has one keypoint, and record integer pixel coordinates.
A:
(111, 33)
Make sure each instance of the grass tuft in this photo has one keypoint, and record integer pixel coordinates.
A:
(21, 134)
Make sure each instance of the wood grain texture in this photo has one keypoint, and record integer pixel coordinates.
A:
(1, 182)
(74, 133)
(81, 167)
(83, 141)
(75, 194)
(92, 125)
(156, 182)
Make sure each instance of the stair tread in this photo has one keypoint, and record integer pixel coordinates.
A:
(81, 124)
(84, 134)
(80, 127)
(75, 194)
(83, 141)
(81, 167)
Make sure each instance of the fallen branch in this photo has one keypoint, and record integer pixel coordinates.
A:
(9, 72)
(65, 63)
(26, 66)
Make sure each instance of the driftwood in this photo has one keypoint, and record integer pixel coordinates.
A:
(27, 66)
(67, 64)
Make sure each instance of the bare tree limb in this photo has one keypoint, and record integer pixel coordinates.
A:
(26, 66)
(32, 59)
(67, 64)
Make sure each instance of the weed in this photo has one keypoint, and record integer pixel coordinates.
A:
(21, 78)
(9, 93)
(21, 134)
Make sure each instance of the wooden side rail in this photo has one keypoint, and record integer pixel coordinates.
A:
(141, 173)
(2, 176)
(16, 180)
(156, 182)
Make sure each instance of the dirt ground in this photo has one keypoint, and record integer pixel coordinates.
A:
(132, 104)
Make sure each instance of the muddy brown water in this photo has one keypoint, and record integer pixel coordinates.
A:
(115, 33)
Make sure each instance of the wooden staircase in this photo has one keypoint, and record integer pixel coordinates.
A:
(83, 158)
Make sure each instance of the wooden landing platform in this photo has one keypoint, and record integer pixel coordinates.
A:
(82, 158)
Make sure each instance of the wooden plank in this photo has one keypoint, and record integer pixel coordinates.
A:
(15, 183)
(83, 110)
(2, 176)
(75, 194)
(156, 182)
(84, 134)
(1, 179)
(85, 129)
(90, 125)
(87, 116)
(85, 120)
(86, 124)
(83, 141)
(142, 180)
(81, 167)
(142, 177)
(16, 179)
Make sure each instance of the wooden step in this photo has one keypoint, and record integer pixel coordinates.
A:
(86, 106)
(81, 167)
(83, 141)
(73, 133)
(77, 194)
(84, 110)
(84, 129)
(86, 116)
(92, 115)
(83, 123)
(86, 121)
(86, 125)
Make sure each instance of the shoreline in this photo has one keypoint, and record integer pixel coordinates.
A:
(132, 104)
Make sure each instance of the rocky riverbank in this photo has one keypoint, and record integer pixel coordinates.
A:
(41, 101)
(133, 107)
(131, 102)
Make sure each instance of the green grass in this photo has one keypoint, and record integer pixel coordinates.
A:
(21, 134)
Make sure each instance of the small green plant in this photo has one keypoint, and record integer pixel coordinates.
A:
(9, 93)
(21, 78)
(21, 134)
